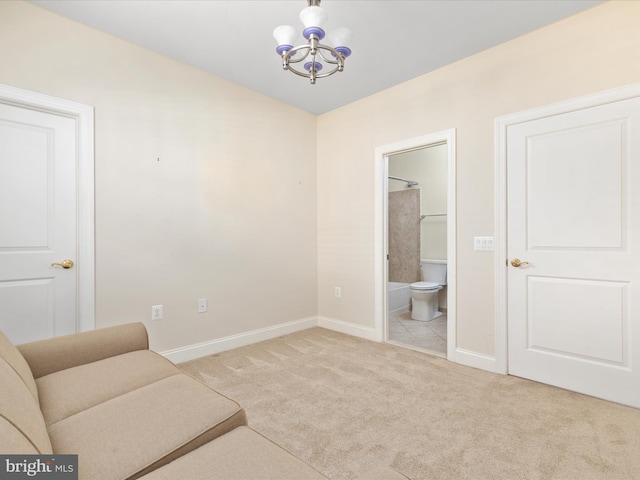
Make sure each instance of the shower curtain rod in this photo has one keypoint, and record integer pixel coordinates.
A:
(410, 183)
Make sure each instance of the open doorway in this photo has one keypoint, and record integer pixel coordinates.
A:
(417, 233)
(417, 248)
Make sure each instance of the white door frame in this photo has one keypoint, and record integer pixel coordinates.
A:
(83, 115)
(501, 126)
(381, 234)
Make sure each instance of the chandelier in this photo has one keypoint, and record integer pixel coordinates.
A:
(316, 56)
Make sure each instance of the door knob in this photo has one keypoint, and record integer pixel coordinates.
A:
(64, 264)
(516, 262)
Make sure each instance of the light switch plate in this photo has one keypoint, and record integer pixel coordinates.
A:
(483, 244)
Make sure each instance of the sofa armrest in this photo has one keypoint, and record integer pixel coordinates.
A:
(59, 353)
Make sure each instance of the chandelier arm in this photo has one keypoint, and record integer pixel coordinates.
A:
(326, 74)
(306, 74)
(338, 57)
(312, 69)
(299, 73)
(286, 56)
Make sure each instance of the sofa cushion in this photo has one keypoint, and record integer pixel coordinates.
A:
(238, 455)
(16, 361)
(22, 422)
(134, 433)
(70, 391)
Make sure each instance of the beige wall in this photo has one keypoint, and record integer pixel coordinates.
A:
(196, 194)
(229, 212)
(592, 51)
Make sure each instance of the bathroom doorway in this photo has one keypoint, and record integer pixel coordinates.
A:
(418, 237)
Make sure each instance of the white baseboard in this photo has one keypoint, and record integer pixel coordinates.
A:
(349, 328)
(476, 360)
(191, 352)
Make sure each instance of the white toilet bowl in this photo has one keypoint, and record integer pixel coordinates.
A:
(424, 301)
(424, 294)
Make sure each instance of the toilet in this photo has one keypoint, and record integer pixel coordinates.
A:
(424, 294)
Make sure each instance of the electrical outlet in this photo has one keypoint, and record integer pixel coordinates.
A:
(338, 292)
(156, 312)
(202, 305)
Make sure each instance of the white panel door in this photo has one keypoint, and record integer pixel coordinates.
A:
(38, 153)
(574, 216)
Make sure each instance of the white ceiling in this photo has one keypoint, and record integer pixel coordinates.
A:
(393, 40)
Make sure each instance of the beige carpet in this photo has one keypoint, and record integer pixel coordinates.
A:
(345, 405)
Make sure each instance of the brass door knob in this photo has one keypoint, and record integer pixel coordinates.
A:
(516, 262)
(64, 263)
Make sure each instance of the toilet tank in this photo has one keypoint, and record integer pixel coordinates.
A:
(434, 271)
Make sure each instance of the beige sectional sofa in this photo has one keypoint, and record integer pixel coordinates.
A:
(128, 412)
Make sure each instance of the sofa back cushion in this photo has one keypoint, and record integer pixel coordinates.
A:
(22, 427)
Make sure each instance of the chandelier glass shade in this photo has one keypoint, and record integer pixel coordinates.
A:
(312, 59)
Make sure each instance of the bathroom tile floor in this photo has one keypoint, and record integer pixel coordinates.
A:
(430, 336)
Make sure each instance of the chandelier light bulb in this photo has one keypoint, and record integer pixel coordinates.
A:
(339, 39)
(286, 36)
(313, 18)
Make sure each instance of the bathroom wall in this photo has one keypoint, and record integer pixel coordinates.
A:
(404, 236)
(428, 166)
